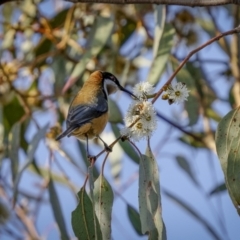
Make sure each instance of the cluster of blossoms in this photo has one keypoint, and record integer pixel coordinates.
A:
(176, 93)
(141, 118)
(141, 113)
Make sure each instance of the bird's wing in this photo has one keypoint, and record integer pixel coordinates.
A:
(81, 114)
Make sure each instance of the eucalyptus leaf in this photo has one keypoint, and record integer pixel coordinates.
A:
(103, 202)
(14, 144)
(184, 164)
(32, 147)
(134, 218)
(98, 37)
(115, 115)
(228, 150)
(150, 198)
(126, 146)
(83, 223)
(164, 48)
(57, 210)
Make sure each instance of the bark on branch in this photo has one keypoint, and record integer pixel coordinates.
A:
(190, 3)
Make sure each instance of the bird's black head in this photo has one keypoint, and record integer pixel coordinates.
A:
(111, 84)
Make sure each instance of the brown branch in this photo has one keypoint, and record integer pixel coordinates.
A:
(190, 3)
(233, 31)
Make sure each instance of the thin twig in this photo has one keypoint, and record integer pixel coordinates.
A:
(233, 31)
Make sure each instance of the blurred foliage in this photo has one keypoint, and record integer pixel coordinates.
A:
(48, 49)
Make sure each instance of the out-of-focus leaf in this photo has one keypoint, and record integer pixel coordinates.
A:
(150, 198)
(58, 19)
(191, 142)
(213, 114)
(83, 152)
(103, 202)
(14, 140)
(218, 189)
(192, 105)
(29, 8)
(162, 56)
(126, 146)
(134, 218)
(44, 172)
(43, 47)
(204, 90)
(127, 29)
(115, 115)
(184, 164)
(30, 156)
(228, 150)
(57, 210)
(193, 213)
(83, 219)
(9, 118)
(59, 66)
(8, 39)
(96, 41)
(207, 25)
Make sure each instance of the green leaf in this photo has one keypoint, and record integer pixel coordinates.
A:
(115, 115)
(32, 147)
(14, 144)
(184, 164)
(218, 189)
(103, 202)
(44, 172)
(228, 150)
(9, 118)
(149, 197)
(162, 55)
(98, 37)
(83, 219)
(192, 106)
(57, 211)
(134, 218)
(194, 214)
(58, 19)
(126, 146)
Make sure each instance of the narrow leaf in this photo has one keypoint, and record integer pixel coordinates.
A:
(98, 37)
(228, 150)
(83, 219)
(164, 48)
(218, 189)
(149, 197)
(126, 146)
(57, 211)
(134, 218)
(184, 164)
(115, 115)
(193, 213)
(14, 144)
(30, 156)
(103, 201)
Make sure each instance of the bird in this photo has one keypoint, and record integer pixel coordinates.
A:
(88, 111)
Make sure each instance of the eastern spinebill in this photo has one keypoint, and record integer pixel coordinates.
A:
(88, 112)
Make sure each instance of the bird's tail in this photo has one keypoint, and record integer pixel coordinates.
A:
(67, 132)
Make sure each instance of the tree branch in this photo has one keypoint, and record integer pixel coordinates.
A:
(190, 3)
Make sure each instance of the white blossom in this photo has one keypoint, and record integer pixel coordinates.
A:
(177, 93)
(146, 123)
(142, 89)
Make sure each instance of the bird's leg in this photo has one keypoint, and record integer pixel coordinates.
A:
(89, 157)
(108, 149)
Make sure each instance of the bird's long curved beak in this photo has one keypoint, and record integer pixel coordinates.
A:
(125, 90)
